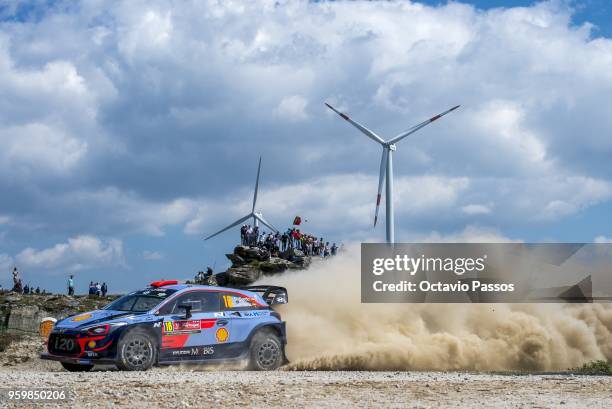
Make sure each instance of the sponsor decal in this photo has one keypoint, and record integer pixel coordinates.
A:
(237, 301)
(157, 324)
(81, 317)
(194, 351)
(192, 326)
(219, 314)
(174, 341)
(186, 325)
(253, 313)
(222, 335)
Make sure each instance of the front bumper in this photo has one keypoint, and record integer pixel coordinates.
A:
(77, 360)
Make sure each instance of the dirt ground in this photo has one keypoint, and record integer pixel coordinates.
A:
(195, 387)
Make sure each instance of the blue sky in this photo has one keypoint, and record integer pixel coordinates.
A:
(130, 130)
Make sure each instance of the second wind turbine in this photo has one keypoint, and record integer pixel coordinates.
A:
(386, 164)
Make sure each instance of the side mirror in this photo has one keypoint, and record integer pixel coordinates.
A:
(187, 309)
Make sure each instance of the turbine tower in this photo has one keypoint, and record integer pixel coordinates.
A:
(257, 216)
(386, 164)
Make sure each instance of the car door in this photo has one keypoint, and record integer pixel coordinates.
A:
(194, 337)
(242, 314)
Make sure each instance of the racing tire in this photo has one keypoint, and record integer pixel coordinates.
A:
(76, 367)
(266, 352)
(136, 351)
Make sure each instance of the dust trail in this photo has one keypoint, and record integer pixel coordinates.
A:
(328, 328)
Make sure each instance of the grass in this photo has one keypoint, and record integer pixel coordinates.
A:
(595, 368)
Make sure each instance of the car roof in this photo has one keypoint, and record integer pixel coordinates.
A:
(180, 287)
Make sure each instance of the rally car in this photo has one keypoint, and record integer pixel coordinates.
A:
(170, 323)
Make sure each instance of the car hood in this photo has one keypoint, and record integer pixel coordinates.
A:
(92, 317)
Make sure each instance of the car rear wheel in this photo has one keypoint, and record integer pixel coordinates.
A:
(136, 351)
(266, 352)
(76, 367)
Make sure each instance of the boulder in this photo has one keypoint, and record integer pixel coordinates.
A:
(235, 259)
(252, 253)
(275, 265)
(244, 275)
(290, 254)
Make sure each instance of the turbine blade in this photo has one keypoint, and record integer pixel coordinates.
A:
(256, 186)
(264, 222)
(237, 222)
(421, 125)
(357, 125)
(381, 179)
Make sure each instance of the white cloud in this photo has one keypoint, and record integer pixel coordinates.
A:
(338, 202)
(476, 209)
(132, 117)
(78, 253)
(152, 255)
(292, 108)
(602, 239)
(6, 262)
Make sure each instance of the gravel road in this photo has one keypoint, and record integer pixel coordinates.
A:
(195, 387)
(178, 388)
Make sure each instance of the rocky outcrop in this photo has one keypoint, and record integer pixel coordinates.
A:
(249, 264)
(21, 314)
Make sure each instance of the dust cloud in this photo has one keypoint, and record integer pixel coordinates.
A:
(329, 329)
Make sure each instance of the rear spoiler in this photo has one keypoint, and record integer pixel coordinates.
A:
(271, 294)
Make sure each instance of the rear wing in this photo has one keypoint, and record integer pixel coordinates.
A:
(271, 294)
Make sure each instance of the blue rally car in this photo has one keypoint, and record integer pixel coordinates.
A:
(170, 323)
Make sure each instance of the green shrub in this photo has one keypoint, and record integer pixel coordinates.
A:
(596, 368)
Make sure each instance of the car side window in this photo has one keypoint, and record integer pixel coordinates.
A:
(200, 301)
(236, 302)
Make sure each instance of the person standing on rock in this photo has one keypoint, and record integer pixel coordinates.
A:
(243, 234)
(17, 287)
(71, 285)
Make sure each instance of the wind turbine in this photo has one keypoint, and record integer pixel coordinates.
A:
(257, 216)
(386, 164)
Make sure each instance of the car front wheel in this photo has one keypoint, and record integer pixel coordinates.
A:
(137, 351)
(266, 352)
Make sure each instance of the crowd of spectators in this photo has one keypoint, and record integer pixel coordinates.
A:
(292, 238)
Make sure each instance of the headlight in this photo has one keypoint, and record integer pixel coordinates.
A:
(103, 329)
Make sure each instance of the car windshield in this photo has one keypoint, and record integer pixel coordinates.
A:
(140, 301)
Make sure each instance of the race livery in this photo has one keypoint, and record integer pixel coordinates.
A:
(170, 323)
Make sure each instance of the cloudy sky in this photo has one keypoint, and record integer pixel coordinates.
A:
(129, 130)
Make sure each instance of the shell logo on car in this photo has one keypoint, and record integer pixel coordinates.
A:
(222, 335)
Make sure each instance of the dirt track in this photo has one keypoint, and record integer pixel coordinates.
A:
(175, 387)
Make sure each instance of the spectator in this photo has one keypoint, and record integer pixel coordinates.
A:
(334, 249)
(243, 230)
(17, 285)
(71, 285)
(26, 289)
(92, 288)
(37, 290)
(98, 289)
(104, 289)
